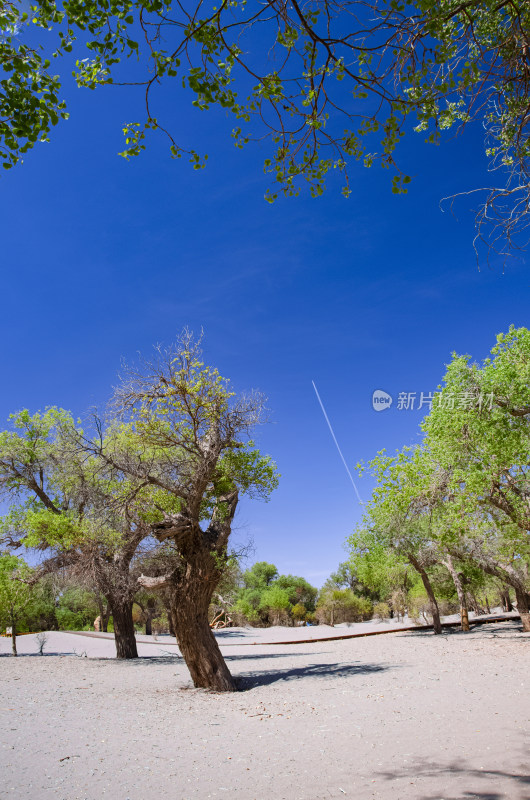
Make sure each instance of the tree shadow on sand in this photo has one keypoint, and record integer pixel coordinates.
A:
(518, 790)
(324, 671)
(478, 630)
(167, 656)
(227, 633)
(62, 654)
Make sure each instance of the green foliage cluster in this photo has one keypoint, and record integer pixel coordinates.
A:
(433, 64)
(15, 590)
(267, 598)
(76, 609)
(43, 605)
(342, 605)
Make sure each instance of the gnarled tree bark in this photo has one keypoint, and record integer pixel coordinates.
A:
(189, 590)
(189, 597)
(197, 643)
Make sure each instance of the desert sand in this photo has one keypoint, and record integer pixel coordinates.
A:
(408, 715)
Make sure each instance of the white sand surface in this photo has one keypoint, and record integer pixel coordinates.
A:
(409, 715)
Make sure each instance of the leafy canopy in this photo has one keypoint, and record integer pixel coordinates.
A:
(328, 83)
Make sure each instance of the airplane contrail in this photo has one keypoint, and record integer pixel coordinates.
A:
(337, 444)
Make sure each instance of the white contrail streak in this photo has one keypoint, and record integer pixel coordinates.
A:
(336, 443)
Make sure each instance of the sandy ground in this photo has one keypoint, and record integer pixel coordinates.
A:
(410, 715)
(101, 645)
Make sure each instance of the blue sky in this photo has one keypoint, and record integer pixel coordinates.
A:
(103, 258)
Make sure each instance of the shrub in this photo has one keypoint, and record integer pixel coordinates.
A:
(245, 612)
(398, 602)
(298, 611)
(342, 605)
(42, 638)
(76, 609)
(382, 611)
(420, 610)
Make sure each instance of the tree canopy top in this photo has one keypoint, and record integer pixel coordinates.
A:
(328, 83)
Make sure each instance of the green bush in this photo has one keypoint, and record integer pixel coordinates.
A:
(76, 610)
(275, 602)
(342, 605)
(266, 598)
(382, 611)
(298, 612)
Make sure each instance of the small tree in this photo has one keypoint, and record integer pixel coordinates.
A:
(185, 437)
(342, 605)
(67, 502)
(15, 592)
(397, 519)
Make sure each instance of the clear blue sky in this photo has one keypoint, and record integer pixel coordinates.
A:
(103, 258)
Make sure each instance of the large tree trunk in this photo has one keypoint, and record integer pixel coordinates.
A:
(196, 641)
(435, 612)
(124, 634)
(522, 607)
(201, 652)
(190, 586)
(459, 586)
